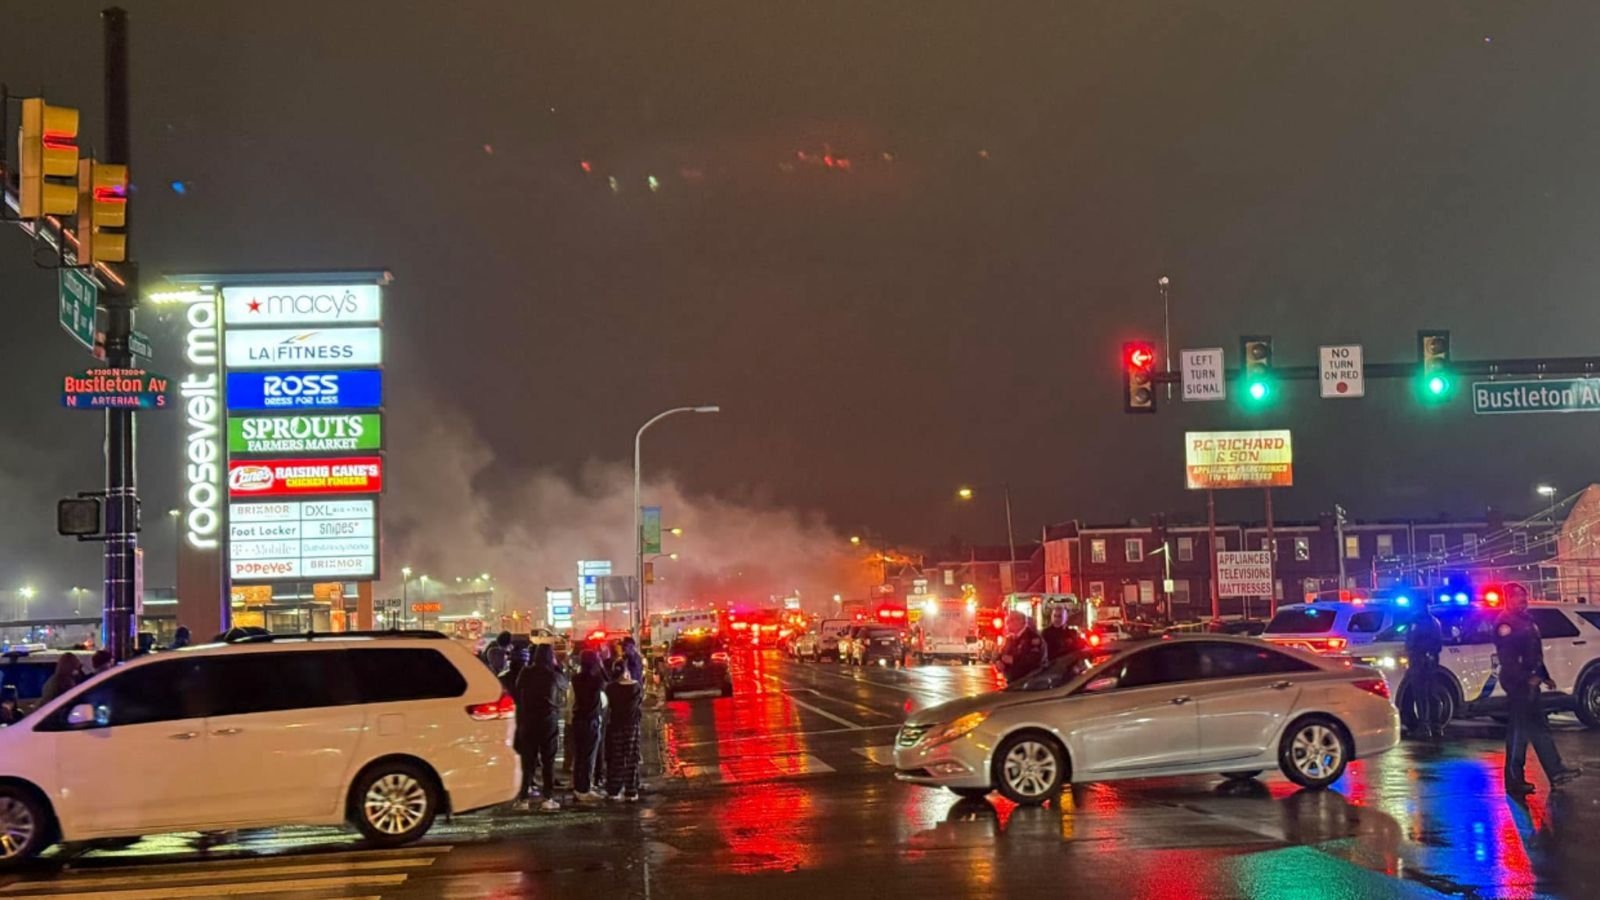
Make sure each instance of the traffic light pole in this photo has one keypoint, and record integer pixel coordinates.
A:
(122, 495)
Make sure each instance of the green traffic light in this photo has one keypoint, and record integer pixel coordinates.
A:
(1258, 390)
(1437, 385)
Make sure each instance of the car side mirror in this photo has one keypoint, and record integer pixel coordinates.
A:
(82, 714)
(1098, 685)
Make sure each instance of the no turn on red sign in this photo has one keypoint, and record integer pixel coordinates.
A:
(1341, 371)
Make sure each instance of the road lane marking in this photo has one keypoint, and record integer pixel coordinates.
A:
(817, 709)
(87, 879)
(786, 735)
(224, 889)
(882, 754)
(759, 768)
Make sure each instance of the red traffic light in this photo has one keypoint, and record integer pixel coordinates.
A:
(1141, 356)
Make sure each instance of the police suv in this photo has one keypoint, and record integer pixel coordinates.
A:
(1469, 669)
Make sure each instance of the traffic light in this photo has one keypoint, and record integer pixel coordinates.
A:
(1255, 355)
(47, 150)
(102, 204)
(1138, 377)
(1433, 352)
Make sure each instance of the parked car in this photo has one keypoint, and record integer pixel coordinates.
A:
(26, 672)
(1469, 668)
(878, 645)
(381, 730)
(697, 661)
(1329, 626)
(1177, 706)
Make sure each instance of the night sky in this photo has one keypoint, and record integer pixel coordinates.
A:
(944, 303)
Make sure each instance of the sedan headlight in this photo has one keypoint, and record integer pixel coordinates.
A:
(956, 729)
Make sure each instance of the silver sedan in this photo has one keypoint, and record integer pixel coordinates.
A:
(1176, 706)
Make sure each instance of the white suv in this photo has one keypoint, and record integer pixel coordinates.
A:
(383, 731)
(1470, 668)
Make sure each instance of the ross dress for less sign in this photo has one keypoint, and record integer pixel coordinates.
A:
(1244, 573)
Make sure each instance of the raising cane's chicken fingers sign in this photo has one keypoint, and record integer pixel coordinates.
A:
(305, 477)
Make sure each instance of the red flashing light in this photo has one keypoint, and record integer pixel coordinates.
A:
(739, 626)
(1141, 356)
(598, 635)
(1491, 597)
(677, 661)
(997, 622)
(719, 656)
(1094, 639)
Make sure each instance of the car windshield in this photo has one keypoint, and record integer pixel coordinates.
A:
(1059, 672)
(1301, 620)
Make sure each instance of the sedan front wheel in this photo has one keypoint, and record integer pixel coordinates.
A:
(1030, 769)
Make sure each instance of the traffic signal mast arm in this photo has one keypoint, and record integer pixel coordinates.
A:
(1551, 365)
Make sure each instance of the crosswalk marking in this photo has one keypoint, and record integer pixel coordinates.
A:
(329, 868)
(219, 889)
(345, 873)
(755, 768)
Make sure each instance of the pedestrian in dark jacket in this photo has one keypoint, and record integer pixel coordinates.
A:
(68, 669)
(1424, 643)
(633, 659)
(538, 710)
(1024, 652)
(588, 686)
(626, 699)
(521, 658)
(1522, 673)
(1059, 637)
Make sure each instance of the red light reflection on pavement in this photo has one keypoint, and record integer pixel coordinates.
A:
(764, 827)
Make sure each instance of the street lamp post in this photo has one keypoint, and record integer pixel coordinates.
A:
(967, 493)
(1548, 491)
(638, 536)
(405, 597)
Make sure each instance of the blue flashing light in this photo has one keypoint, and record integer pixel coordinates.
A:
(1402, 600)
(179, 187)
(1462, 599)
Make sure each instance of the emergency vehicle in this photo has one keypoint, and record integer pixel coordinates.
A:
(946, 629)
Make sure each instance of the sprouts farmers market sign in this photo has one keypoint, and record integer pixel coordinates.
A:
(1550, 395)
(304, 434)
(1215, 460)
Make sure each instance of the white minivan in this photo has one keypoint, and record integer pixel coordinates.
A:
(380, 730)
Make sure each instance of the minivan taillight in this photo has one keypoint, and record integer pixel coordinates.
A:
(1374, 686)
(719, 656)
(676, 661)
(504, 708)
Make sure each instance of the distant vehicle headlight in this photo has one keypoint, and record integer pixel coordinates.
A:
(956, 729)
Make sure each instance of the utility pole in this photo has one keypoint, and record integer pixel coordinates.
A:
(1166, 325)
(1272, 560)
(1338, 532)
(1211, 528)
(121, 449)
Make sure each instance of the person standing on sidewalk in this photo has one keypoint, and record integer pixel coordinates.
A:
(626, 698)
(538, 706)
(1521, 650)
(1424, 643)
(588, 686)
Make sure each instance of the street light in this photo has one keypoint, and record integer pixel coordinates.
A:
(26, 594)
(967, 493)
(638, 531)
(1548, 491)
(405, 598)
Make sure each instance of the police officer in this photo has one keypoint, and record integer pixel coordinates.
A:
(1024, 652)
(1059, 637)
(1424, 643)
(1522, 673)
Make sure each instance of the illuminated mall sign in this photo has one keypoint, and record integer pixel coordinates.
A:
(303, 539)
(304, 434)
(303, 477)
(313, 348)
(344, 304)
(202, 406)
(357, 389)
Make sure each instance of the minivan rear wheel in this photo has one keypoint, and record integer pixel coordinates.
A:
(24, 826)
(395, 803)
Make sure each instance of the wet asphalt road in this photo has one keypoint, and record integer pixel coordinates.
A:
(785, 791)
